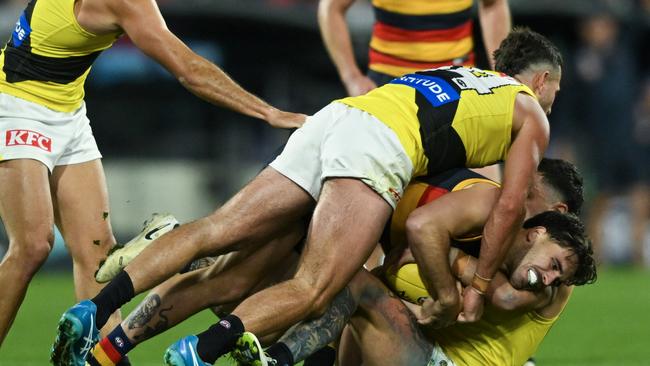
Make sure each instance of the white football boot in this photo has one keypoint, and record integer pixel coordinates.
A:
(121, 255)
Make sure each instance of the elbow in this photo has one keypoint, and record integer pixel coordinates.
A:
(416, 228)
(325, 8)
(504, 300)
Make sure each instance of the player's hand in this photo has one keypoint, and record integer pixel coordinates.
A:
(282, 119)
(359, 85)
(438, 314)
(472, 306)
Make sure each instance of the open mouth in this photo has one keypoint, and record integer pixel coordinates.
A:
(533, 278)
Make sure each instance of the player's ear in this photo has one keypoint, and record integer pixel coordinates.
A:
(560, 207)
(534, 232)
(539, 81)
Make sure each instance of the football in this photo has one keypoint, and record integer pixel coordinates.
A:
(406, 283)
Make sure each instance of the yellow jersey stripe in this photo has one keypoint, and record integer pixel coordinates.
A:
(424, 51)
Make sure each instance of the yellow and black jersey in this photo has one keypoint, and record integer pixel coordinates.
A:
(424, 190)
(499, 338)
(49, 55)
(447, 118)
(412, 35)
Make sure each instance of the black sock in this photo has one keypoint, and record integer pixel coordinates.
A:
(281, 353)
(124, 362)
(117, 293)
(219, 339)
(323, 357)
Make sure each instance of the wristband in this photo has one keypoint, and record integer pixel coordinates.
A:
(477, 291)
(480, 283)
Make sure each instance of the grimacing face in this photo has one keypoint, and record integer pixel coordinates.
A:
(548, 91)
(545, 264)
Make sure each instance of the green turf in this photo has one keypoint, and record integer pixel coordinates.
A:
(605, 324)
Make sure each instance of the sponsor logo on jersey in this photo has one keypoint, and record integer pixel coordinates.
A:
(21, 31)
(28, 138)
(437, 91)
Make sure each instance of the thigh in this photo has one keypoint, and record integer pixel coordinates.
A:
(268, 206)
(25, 201)
(345, 227)
(81, 208)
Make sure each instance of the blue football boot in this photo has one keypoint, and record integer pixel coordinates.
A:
(76, 336)
(183, 353)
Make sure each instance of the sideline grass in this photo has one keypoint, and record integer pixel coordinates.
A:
(607, 323)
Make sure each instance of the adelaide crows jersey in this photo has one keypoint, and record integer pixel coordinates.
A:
(425, 190)
(412, 35)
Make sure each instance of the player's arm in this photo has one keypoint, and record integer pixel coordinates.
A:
(142, 22)
(429, 230)
(500, 294)
(336, 35)
(494, 16)
(530, 141)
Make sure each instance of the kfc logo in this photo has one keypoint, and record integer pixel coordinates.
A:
(30, 138)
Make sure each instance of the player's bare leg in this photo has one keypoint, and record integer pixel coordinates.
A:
(225, 282)
(26, 210)
(82, 212)
(344, 230)
(268, 205)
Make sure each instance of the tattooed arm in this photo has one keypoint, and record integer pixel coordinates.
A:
(307, 337)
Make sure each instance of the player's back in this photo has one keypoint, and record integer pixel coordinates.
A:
(447, 118)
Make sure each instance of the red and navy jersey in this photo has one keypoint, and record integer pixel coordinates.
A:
(427, 189)
(411, 35)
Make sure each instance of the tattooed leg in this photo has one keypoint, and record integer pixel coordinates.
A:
(227, 281)
(307, 337)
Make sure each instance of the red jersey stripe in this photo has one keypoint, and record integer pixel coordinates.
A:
(390, 33)
(380, 58)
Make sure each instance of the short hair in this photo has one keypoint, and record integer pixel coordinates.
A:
(523, 48)
(568, 231)
(565, 179)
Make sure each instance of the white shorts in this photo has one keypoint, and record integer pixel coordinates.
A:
(32, 131)
(344, 142)
(438, 357)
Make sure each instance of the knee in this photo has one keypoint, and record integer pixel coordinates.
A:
(88, 252)
(30, 251)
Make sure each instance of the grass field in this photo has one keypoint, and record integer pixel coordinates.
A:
(607, 323)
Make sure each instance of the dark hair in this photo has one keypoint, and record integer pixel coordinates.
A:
(569, 232)
(522, 48)
(565, 179)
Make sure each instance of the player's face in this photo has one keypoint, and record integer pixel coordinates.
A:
(549, 90)
(545, 264)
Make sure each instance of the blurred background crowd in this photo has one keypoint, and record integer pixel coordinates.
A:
(167, 151)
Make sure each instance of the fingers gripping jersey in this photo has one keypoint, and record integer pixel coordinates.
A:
(447, 118)
(49, 55)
